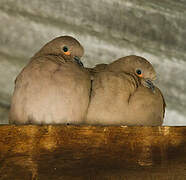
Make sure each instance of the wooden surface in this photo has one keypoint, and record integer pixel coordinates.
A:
(90, 152)
(108, 30)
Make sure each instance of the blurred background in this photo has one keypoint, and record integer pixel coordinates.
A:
(108, 29)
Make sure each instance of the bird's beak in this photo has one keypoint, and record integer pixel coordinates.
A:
(149, 84)
(78, 60)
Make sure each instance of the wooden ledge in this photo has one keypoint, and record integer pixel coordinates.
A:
(86, 152)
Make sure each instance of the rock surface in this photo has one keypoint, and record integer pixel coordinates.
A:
(108, 30)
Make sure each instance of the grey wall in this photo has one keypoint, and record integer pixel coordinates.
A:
(108, 29)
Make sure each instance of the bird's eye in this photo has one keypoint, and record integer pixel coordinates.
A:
(138, 71)
(65, 49)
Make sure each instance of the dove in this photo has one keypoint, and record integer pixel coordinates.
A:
(54, 87)
(123, 94)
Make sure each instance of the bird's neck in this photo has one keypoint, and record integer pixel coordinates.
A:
(52, 57)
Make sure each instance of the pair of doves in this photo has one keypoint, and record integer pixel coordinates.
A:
(55, 88)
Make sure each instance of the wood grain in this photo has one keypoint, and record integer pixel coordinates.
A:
(92, 152)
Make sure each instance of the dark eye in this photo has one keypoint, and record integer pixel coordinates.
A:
(65, 49)
(138, 71)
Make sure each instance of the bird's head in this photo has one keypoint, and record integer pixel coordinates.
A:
(65, 46)
(139, 66)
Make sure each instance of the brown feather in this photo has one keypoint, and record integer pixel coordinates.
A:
(52, 88)
(120, 98)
